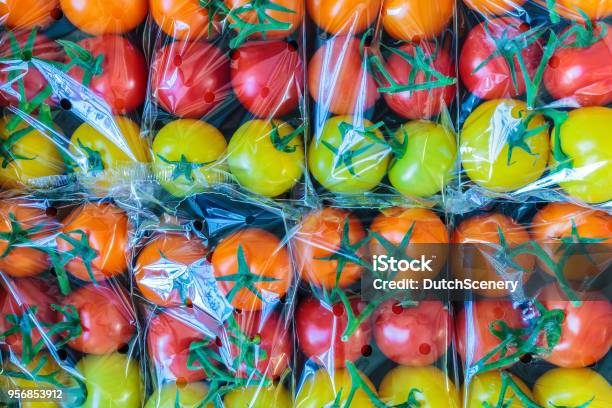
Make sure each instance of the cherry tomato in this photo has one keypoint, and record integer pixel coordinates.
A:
(168, 344)
(472, 325)
(474, 251)
(413, 336)
(23, 226)
(96, 237)
(585, 142)
(430, 387)
(190, 79)
(122, 80)
(190, 395)
(184, 19)
(414, 20)
(245, 15)
(494, 79)
(268, 77)
(572, 387)
(274, 351)
(267, 158)
(426, 165)
(345, 159)
(164, 265)
(422, 104)
(187, 157)
(105, 17)
(338, 79)
(320, 328)
(486, 388)
(248, 255)
(347, 17)
(324, 234)
(497, 152)
(107, 320)
(28, 156)
(28, 76)
(574, 9)
(258, 396)
(324, 388)
(26, 14)
(112, 380)
(577, 225)
(495, 7)
(581, 76)
(16, 299)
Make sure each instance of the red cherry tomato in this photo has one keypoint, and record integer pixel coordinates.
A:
(190, 79)
(107, 319)
(267, 77)
(122, 82)
(275, 347)
(320, 327)
(413, 336)
(493, 80)
(582, 76)
(472, 325)
(338, 79)
(24, 294)
(31, 78)
(425, 103)
(105, 17)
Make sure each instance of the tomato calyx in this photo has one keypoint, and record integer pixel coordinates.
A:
(245, 28)
(575, 244)
(519, 134)
(282, 143)
(83, 59)
(214, 8)
(183, 167)
(80, 249)
(7, 145)
(17, 236)
(395, 251)
(93, 157)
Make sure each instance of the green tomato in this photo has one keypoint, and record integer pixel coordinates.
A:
(348, 157)
(112, 381)
(189, 395)
(274, 396)
(428, 160)
(188, 157)
(266, 157)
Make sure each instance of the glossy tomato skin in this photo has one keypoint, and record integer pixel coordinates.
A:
(345, 17)
(168, 344)
(265, 255)
(258, 396)
(320, 327)
(105, 228)
(105, 17)
(574, 9)
(582, 76)
(412, 336)
(572, 387)
(325, 387)
(26, 293)
(414, 20)
(494, 7)
(494, 79)
(319, 236)
(107, 319)
(22, 259)
(338, 79)
(275, 346)
(487, 387)
(294, 17)
(267, 77)
(26, 14)
(435, 388)
(425, 103)
(474, 337)
(190, 79)
(184, 19)
(123, 81)
(31, 78)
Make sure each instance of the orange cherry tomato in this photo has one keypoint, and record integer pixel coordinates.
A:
(95, 236)
(98, 17)
(23, 226)
(183, 19)
(168, 258)
(428, 236)
(476, 241)
(561, 228)
(258, 263)
(26, 14)
(348, 17)
(414, 20)
(271, 10)
(321, 235)
(571, 9)
(495, 7)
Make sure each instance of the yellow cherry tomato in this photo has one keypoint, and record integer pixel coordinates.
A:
(266, 157)
(190, 395)
(188, 157)
(487, 388)
(428, 385)
(572, 387)
(503, 146)
(255, 396)
(322, 388)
